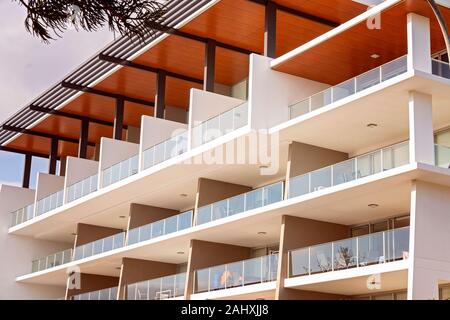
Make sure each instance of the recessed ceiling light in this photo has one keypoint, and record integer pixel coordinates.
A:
(372, 125)
(373, 205)
(118, 268)
(183, 195)
(375, 56)
(122, 217)
(73, 234)
(180, 252)
(262, 233)
(264, 166)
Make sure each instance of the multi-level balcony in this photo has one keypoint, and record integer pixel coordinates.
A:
(169, 287)
(229, 279)
(104, 294)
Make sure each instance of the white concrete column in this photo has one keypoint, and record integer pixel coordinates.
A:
(419, 43)
(421, 137)
(429, 255)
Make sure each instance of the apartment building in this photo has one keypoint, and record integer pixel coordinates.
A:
(252, 150)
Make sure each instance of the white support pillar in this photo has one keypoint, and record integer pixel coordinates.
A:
(421, 136)
(419, 43)
(429, 256)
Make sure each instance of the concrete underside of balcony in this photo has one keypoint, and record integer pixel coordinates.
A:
(343, 204)
(356, 281)
(159, 186)
(250, 292)
(342, 125)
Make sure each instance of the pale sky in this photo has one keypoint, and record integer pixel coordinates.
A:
(28, 67)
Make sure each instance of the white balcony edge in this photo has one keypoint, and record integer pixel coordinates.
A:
(242, 290)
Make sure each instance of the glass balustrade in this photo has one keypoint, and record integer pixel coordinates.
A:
(349, 87)
(100, 246)
(160, 228)
(375, 248)
(353, 169)
(237, 274)
(22, 215)
(82, 188)
(50, 203)
(120, 171)
(442, 156)
(251, 200)
(220, 125)
(166, 150)
(105, 294)
(52, 260)
(440, 68)
(158, 289)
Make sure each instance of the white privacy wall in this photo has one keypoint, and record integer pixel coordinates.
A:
(155, 131)
(48, 184)
(19, 251)
(271, 92)
(114, 151)
(78, 169)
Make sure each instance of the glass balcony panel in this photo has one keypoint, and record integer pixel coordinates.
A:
(299, 186)
(171, 149)
(394, 68)
(299, 109)
(115, 173)
(104, 295)
(107, 177)
(182, 143)
(395, 156)
(142, 292)
(236, 204)
(58, 258)
(345, 254)
(107, 244)
(146, 233)
(154, 289)
(299, 262)
(94, 183)
(368, 79)
(78, 253)
(369, 164)
(71, 193)
(321, 260)
(371, 249)
(88, 250)
(159, 153)
(157, 229)
(42, 264)
(133, 236)
(320, 179)
(67, 256)
(344, 90)
(185, 220)
(252, 271)
(180, 284)
(131, 291)
(202, 280)
(273, 193)
(442, 156)
(171, 225)
(226, 122)
(220, 210)
(321, 99)
(441, 69)
(35, 266)
(218, 277)
(344, 172)
(254, 199)
(124, 169)
(213, 129)
(148, 157)
(118, 240)
(86, 186)
(240, 116)
(204, 214)
(234, 276)
(167, 288)
(399, 243)
(134, 165)
(269, 267)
